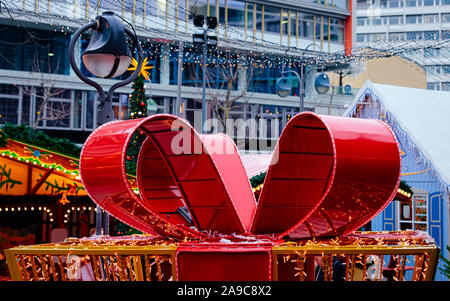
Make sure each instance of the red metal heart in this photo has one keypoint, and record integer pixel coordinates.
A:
(329, 175)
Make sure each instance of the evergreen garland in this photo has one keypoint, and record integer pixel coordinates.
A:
(258, 179)
(121, 228)
(405, 187)
(38, 138)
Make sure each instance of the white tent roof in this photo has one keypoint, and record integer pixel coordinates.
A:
(423, 114)
(255, 164)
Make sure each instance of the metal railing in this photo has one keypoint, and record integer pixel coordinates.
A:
(370, 256)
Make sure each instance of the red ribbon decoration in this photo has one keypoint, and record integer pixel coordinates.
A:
(328, 176)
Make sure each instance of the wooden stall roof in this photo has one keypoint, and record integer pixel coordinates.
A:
(27, 169)
(30, 170)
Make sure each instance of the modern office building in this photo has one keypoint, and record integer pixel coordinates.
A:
(412, 22)
(254, 39)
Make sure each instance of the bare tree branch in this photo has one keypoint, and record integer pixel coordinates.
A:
(49, 108)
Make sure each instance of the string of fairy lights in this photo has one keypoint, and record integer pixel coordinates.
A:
(32, 208)
(261, 53)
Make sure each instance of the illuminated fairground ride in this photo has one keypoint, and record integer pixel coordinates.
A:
(328, 177)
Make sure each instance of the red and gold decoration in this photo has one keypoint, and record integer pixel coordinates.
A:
(328, 177)
(156, 258)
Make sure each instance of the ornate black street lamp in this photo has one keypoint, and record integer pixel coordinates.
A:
(107, 56)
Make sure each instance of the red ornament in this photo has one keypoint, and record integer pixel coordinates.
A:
(142, 104)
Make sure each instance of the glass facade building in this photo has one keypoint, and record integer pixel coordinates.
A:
(34, 64)
(410, 20)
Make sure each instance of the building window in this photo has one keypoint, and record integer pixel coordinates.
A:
(431, 35)
(395, 3)
(236, 13)
(446, 86)
(33, 50)
(272, 17)
(414, 35)
(395, 20)
(394, 36)
(307, 25)
(432, 69)
(336, 33)
(413, 214)
(445, 18)
(9, 103)
(8, 109)
(414, 19)
(413, 3)
(431, 18)
(318, 31)
(341, 3)
(285, 23)
(362, 21)
(58, 113)
(199, 7)
(379, 36)
(431, 53)
(432, 86)
(376, 21)
(360, 38)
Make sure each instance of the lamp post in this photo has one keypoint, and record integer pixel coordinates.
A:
(205, 40)
(283, 87)
(107, 56)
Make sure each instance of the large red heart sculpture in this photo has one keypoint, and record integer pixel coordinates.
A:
(328, 176)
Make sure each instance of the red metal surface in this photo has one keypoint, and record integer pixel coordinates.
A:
(332, 175)
(224, 262)
(175, 169)
(329, 176)
(102, 170)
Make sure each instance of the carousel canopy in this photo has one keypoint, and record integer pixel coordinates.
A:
(423, 114)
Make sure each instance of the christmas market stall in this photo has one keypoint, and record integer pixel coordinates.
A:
(42, 198)
(419, 118)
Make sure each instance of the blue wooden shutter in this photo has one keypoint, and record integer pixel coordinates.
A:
(435, 220)
(389, 217)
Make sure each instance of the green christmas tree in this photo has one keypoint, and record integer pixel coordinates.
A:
(137, 106)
